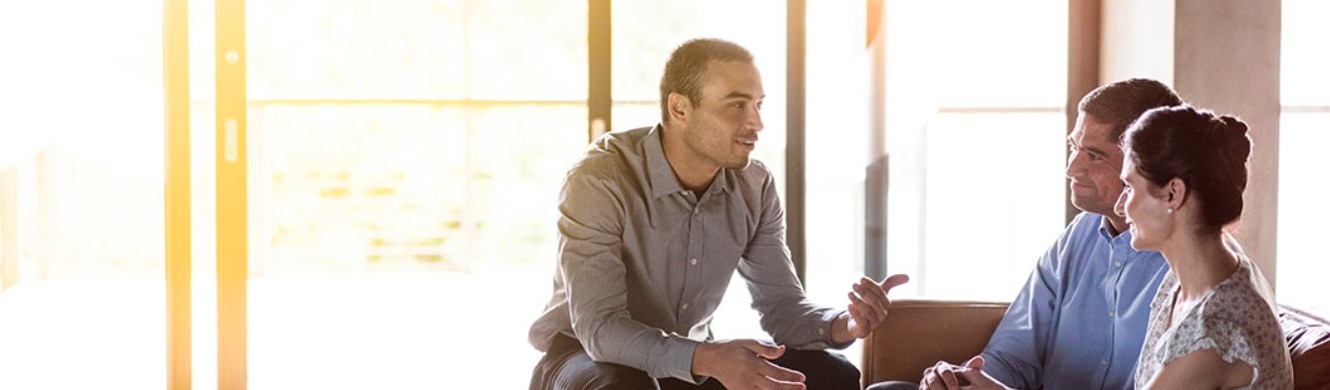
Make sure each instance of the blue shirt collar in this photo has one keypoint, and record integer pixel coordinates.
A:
(1105, 227)
(1123, 239)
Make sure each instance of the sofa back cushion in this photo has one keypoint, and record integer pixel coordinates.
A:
(918, 333)
(1308, 337)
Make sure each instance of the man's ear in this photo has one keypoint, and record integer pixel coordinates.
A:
(679, 106)
(1176, 193)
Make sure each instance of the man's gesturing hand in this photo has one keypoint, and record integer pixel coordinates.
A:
(743, 364)
(869, 304)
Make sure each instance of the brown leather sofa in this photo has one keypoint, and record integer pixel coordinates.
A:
(918, 333)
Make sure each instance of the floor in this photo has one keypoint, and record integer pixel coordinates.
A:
(434, 330)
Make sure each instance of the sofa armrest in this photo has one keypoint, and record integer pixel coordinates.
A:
(918, 333)
(1308, 338)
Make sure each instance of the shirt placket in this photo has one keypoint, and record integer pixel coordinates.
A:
(1117, 257)
(692, 265)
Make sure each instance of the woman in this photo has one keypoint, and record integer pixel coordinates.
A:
(1212, 324)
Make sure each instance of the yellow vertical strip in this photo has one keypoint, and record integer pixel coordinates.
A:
(232, 204)
(175, 54)
(9, 237)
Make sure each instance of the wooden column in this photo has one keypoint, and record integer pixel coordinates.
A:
(1221, 55)
(1226, 58)
(175, 67)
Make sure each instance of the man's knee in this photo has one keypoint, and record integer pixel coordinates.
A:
(822, 369)
(609, 376)
(579, 372)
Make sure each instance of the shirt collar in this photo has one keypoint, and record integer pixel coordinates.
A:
(663, 179)
(1123, 238)
(721, 183)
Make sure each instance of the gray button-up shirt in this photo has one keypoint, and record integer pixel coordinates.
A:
(643, 263)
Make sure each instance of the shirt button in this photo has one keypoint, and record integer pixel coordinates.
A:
(1103, 362)
(1111, 314)
(692, 261)
(1117, 264)
(821, 331)
(685, 306)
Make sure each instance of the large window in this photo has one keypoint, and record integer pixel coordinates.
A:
(974, 142)
(1304, 130)
(81, 196)
(405, 160)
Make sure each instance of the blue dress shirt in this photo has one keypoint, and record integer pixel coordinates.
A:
(1080, 320)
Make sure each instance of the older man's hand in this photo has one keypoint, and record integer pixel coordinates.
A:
(970, 376)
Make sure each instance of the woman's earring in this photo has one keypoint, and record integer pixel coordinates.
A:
(1170, 210)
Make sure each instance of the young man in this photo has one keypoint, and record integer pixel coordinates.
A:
(1080, 320)
(655, 221)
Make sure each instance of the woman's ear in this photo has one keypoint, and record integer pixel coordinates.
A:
(1176, 193)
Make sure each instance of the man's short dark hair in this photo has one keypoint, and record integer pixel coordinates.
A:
(1120, 103)
(684, 72)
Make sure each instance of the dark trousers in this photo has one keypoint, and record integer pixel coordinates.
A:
(567, 367)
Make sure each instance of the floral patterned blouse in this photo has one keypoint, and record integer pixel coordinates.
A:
(1233, 318)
